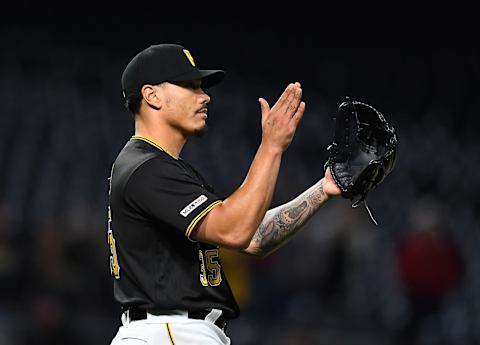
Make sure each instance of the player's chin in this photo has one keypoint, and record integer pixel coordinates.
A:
(201, 130)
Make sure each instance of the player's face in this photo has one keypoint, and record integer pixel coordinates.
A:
(185, 106)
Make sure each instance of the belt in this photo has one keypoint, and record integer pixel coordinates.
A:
(211, 315)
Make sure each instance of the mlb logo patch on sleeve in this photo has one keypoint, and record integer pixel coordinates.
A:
(193, 205)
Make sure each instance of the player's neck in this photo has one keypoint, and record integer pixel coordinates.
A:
(166, 137)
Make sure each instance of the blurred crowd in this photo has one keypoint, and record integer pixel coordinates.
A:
(414, 279)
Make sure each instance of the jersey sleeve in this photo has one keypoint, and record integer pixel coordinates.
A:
(168, 193)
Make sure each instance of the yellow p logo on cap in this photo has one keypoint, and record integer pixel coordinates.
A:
(189, 57)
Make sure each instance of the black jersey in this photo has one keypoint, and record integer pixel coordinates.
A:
(155, 202)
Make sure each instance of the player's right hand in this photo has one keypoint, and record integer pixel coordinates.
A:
(280, 122)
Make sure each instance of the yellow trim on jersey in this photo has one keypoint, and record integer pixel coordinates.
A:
(151, 142)
(200, 216)
(170, 334)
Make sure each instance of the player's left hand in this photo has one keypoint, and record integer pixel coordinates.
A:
(329, 186)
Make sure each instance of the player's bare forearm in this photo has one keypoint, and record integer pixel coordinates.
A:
(233, 223)
(249, 203)
(282, 222)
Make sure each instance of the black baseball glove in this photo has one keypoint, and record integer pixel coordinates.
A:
(363, 151)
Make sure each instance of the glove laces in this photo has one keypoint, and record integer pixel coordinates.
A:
(355, 204)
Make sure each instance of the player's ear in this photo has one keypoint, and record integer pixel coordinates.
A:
(150, 95)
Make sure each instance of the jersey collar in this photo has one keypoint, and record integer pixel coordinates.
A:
(151, 142)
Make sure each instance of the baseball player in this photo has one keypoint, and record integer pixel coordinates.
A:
(166, 223)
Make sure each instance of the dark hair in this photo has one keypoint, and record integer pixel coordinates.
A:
(133, 102)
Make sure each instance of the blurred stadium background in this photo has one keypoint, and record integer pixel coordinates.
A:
(415, 279)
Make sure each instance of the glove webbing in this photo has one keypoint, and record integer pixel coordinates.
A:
(351, 124)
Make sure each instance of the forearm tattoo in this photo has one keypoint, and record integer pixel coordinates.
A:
(281, 223)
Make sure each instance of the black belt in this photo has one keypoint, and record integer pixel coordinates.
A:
(135, 313)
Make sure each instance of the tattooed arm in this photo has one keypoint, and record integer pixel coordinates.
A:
(283, 222)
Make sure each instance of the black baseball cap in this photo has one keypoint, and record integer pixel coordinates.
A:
(165, 63)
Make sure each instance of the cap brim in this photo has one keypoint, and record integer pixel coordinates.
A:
(209, 77)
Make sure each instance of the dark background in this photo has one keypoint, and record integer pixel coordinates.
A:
(412, 280)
